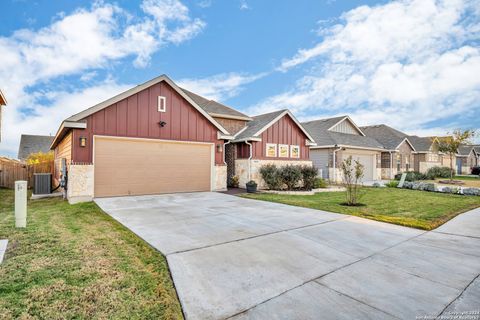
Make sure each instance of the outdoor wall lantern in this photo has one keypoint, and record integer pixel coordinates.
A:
(219, 148)
(83, 142)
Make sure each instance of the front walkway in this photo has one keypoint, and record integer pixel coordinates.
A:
(248, 259)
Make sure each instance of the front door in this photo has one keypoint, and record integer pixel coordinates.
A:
(459, 166)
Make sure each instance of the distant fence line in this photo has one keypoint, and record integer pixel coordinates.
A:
(13, 171)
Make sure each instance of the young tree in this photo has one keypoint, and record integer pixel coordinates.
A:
(40, 157)
(352, 173)
(450, 144)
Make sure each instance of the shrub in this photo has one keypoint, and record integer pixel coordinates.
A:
(408, 185)
(471, 191)
(235, 181)
(439, 172)
(271, 175)
(309, 174)
(376, 185)
(290, 175)
(319, 183)
(453, 190)
(411, 176)
(392, 184)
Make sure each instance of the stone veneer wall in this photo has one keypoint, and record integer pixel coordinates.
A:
(241, 169)
(220, 178)
(80, 183)
(424, 166)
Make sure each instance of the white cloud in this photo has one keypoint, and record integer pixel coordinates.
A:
(79, 44)
(221, 86)
(406, 63)
(244, 5)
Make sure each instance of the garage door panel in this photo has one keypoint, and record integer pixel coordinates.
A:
(136, 167)
(368, 162)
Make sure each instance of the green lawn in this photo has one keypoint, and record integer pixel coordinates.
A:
(418, 209)
(74, 261)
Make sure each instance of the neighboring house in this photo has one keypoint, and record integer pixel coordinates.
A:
(3, 102)
(32, 144)
(427, 154)
(272, 138)
(160, 138)
(400, 153)
(337, 139)
(477, 152)
(466, 159)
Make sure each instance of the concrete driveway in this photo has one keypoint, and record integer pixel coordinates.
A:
(245, 259)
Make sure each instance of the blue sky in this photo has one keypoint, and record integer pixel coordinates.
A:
(411, 64)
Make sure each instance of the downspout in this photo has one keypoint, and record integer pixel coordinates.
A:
(249, 158)
(335, 161)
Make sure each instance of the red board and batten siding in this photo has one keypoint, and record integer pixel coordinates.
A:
(138, 117)
(284, 131)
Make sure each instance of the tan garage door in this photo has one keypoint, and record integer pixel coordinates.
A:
(368, 164)
(138, 166)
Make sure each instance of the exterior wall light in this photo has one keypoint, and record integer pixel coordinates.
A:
(219, 148)
(83, 142)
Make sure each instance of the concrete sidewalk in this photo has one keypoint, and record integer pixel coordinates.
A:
(232, 257)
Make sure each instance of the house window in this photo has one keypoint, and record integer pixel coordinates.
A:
(271, 150)
(283, 150)
(295, 151)
(399, 165)
(162, 104)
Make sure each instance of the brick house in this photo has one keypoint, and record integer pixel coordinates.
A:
(399, 155)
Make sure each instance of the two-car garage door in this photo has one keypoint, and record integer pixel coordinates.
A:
(124, 166)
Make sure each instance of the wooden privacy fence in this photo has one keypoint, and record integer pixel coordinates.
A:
(11, 172)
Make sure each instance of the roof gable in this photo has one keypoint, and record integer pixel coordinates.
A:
(3, 100)
(33, 143)
(347, 126)
(326, 138)
(83, 114)
(262, 122)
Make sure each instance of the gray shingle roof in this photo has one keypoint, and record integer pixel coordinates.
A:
(477, 148)
(421, 144)
(464, 150)
(213, 107)
(318, 129)
(389, 137)
(258, 123)
(31, 143)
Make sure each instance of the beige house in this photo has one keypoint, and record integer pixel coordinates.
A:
(3, 102)
(427, 154)
(337, 139)
(399, 155)
(467, 158)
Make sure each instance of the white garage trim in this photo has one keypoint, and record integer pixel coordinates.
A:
(212, 148)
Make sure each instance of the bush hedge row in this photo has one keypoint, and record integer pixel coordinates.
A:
(289, 177)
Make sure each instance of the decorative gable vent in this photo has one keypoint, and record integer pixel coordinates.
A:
(162, 104)
(345, 126)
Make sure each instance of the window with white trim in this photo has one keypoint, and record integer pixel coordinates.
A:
(283, 150)
(294, 151)
(162, 104)
(271, 150)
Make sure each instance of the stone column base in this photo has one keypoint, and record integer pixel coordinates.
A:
(80, 183)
